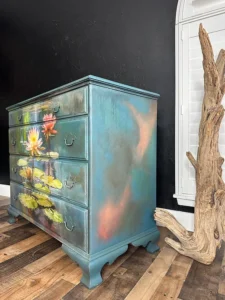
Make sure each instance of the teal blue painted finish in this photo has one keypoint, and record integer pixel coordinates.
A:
(115, 143)
(73, 227)
(93, 264)
(99, 153)
(92, 267)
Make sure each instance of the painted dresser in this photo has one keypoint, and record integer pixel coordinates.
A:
(83, 169)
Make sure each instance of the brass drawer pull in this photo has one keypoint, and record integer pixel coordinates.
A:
(69, 143)
(56, 109)
(14, 169)
(19, 118)
(13, 142)
(69, 183)
(69, 229)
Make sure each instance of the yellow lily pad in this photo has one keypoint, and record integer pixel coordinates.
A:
(56, 183)
(22, 162)
(43, 199)
(42, 187)
(53, 215)
(45, 202)
(38, 173)
(53, 155)
(40, 196)
(28, 201)
(49, 180)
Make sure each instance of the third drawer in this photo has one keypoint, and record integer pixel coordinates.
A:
(64, 178)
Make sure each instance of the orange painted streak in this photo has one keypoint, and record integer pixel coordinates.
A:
(146, 123)
(110, 216)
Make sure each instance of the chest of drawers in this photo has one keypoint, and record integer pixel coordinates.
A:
(83, 169)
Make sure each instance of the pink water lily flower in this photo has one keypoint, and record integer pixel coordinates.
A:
(48, 126)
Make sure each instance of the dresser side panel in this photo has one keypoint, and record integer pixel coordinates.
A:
(122, 166)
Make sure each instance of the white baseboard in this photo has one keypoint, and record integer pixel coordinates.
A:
(5, 190)
(185, 219)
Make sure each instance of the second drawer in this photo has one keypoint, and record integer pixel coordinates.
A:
(60, 138)
(68, 179)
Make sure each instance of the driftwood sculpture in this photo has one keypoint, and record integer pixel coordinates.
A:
(209, 227)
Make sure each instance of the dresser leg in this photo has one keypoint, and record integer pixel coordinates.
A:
(92, 268)
(13, 215)
(148, 241)
(152, 247)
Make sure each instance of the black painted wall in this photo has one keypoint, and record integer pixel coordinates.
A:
(45, 44)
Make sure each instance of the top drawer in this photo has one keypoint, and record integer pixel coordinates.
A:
(71, 103)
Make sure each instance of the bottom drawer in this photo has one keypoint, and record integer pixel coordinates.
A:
(64, 221)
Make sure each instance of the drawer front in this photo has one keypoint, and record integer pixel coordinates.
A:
(68, 179)
(68, 104)
(61, 138)
(63, 221)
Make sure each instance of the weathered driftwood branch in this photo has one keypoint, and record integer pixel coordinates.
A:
(209, 227)
(192, 159)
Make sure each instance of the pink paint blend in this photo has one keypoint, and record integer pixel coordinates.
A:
(110, 216)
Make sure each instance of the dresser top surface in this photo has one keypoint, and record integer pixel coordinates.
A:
(82, 82)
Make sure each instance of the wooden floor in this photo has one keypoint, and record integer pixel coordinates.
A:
(33, 266)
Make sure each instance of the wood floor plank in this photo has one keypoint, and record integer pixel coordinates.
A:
(168, 289)
(180, 267)
(34, 285)
(118, 285)
(11, 280)
(22, 246)
(147, 285)
(221, 289)
(171, 284)
(8, 226)
(25, 258)
(4, 206)
(3, 213)
(18, 234)
(80, 292)
(35, 267)
(56, 291)
(202, 281)
(3, 223)
(73, 274)
(45, 261)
